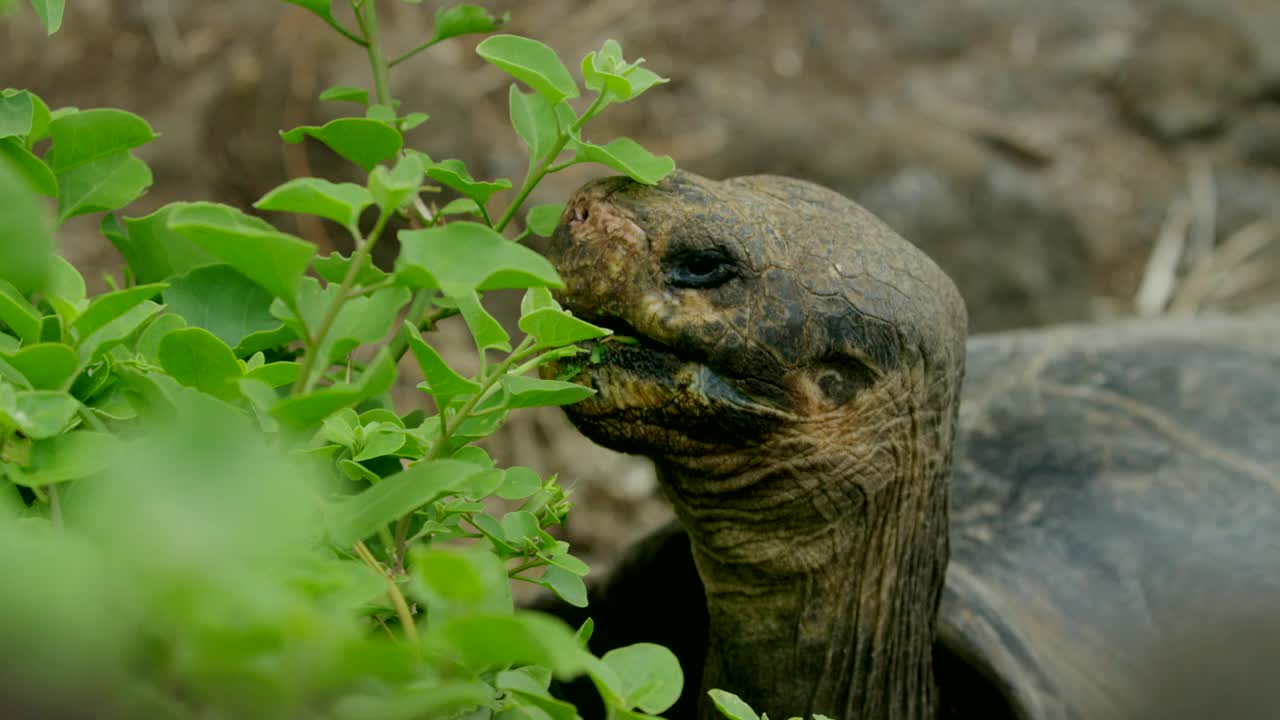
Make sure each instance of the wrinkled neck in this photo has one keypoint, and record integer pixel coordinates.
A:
(822, 599)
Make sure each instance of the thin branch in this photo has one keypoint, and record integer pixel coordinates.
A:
(413, 52)
(1160, 278)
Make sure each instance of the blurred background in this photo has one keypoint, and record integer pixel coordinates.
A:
(1063, 161)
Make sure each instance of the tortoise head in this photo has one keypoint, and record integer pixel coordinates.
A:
(787, 350)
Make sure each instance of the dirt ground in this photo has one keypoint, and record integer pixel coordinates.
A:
(1063, 161)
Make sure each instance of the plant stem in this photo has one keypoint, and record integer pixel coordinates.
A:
(544, 167)
(393, 592)
(366, 289)
(533, 363)
(526, 565)
(400, 344)
(55, 507)
(413, 52)
(486, 390)
(531, 180)
(448, 426)
(364, 246)
(428, 218)
(91, 419)
(367, 16)
(333, 23)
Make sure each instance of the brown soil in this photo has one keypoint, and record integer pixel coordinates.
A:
(1038, 150)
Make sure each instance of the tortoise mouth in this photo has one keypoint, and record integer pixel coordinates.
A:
(650, 399)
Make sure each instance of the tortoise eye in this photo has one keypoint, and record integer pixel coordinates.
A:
(700, 269)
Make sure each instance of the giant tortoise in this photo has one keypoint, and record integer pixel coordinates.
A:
(857, 537)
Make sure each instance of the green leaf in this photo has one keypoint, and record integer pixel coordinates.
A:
(496, 641)
(358, 472)
(274, 260)
(520, 525)
(650, 675)
(585, 631)
(106, 184)
(333, 267)
(556, 328)
(65, 284)
(530, 679)
(492, 529)
(464, 20)
(605, 71)
(40, 117)
(37, 413)
(89, 136)
(534, 120)
(344, 93)
(731, 706)
(442, 382)
(554, 709)
(532, 63)
(340, 428)
(339, 202)
(38, 175)
(537, 298)
(116, 332)
(109, 306)
(482, 485)
(569, 563)
(411, 121)
(155, 252)
(322, 8)
(484, 327)
(51, 329)
(452, 700)
(66, 293)
(50, 12)
(148, 345)
(223, 301)
(71, 456)
(565, 585)
(304, 411)
(475, 455)
(456, 574)
(381, 415)
(27, 244)
(196, 358)
(16, 112)
(628, 157)
(360, 516)
(381, 113)
(393, 188)
(359, 321)
(566, 118)
(465, 256)
(461, 206)
(363, 141)
(454, 173)
(543, 219)
(276, 374)
(47, 366)
(536, 392)
(518, 483)
(385, 440)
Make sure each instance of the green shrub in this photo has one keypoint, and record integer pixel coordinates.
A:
(209, 506)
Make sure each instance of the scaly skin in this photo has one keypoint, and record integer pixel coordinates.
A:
(796, 384)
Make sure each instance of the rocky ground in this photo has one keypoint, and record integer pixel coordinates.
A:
(1063, 161)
